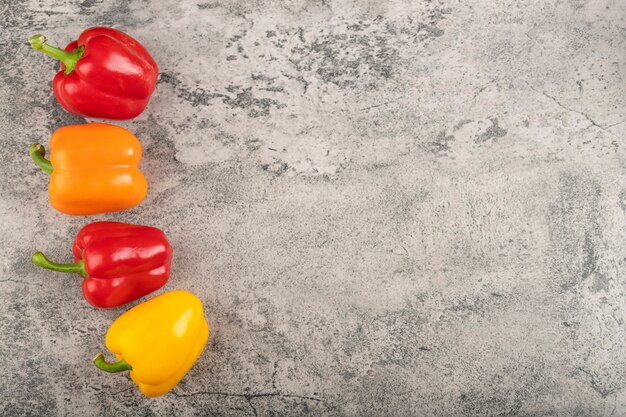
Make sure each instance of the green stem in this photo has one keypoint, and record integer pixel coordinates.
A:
(119, 366)
(38, 42)
(38, 154)
(75, 268)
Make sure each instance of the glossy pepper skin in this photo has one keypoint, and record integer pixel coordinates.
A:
(119, 262)
(94, 169)
(104, 73)
(158, 341)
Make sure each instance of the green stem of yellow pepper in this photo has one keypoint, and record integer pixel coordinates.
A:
(119, 366)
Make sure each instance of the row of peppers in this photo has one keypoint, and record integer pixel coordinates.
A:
(94, 168)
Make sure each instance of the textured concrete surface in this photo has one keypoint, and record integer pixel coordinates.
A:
(388, 207)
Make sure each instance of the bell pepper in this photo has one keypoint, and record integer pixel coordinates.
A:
(119, 262)
(94, 169)
(158, 341)
(104, 73)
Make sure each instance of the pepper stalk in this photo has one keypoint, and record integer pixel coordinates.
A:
(38, 154)
(69, 59)
(78, 267)
(112, 367)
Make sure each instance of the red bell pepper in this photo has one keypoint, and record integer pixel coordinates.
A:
(104, 73)
(119, 262)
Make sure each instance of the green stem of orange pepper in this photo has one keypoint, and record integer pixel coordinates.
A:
(37, 153)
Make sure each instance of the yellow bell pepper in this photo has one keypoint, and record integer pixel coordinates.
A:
(158, 341)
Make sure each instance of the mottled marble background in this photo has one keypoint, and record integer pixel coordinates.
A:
(388, 207)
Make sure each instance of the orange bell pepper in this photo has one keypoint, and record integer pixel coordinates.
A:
(94, 169)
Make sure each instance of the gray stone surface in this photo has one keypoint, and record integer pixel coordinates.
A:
(388, 207)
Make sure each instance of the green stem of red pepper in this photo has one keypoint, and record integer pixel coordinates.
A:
(37, 153)
(75, 268)
(38, 42)
(119, 366)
